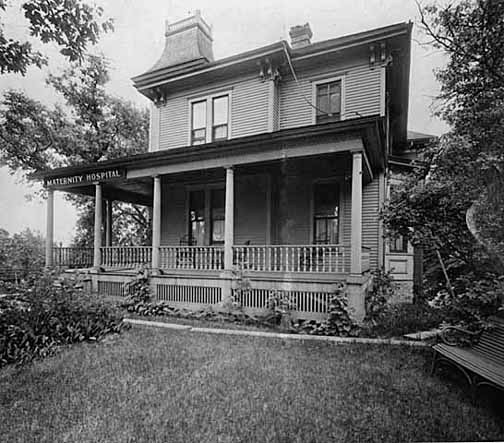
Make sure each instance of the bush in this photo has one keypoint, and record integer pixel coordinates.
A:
(380, 293)
(48, 313)
(398, 319)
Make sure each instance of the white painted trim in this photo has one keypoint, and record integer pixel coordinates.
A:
(350, 45)
(199, 72)
(314, 85)
(208, 99)
(239, 158)
(383, 89)
(271, 105)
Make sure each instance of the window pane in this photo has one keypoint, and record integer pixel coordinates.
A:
(335, 100)
(399, 244)
(328, 101)
(220, 110)
(327, 199)
(323, 105)
(198, 136)
(218, 231)
(320, 231)
(199, 115)
(220, 132)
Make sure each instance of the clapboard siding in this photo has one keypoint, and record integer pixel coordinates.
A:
(362, 92)
(250, 222)
(362, 95)
(154, 128)
(173, 214)
(294, 109)
(174, 123)
(249, 111)
(370, 219)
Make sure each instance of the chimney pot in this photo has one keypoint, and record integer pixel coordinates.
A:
(300, 36)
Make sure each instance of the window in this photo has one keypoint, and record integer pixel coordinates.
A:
(217, 202)
(198, 122)
(326, 213)
(328, 101)
(197, 217)
(206, 216)
(399, 244)
(220, 118)
(210, 119)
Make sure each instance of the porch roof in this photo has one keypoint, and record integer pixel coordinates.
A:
(127, 178)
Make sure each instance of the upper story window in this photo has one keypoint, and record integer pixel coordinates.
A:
(198, 119)
(328, 100)
(210, 119)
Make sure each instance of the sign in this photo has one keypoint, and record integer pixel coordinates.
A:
(86, 178)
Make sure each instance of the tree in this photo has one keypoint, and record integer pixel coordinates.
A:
(93, 126)
(452, 203)
(22, 252)
(71, 24)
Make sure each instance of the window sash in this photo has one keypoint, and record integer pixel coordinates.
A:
(328, 98)
(212, 122)
(399, 244)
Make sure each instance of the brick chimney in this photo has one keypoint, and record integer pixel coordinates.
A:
(187, 40)
(300, 35)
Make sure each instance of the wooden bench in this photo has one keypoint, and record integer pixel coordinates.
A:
(482, 363)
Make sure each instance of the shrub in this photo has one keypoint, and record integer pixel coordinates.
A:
(473, 300)
(380, 293)
(51, 312)
(398, 319)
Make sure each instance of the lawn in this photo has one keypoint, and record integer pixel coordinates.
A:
(178, 386)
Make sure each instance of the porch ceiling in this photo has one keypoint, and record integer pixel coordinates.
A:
(138, 191)
(132, 178)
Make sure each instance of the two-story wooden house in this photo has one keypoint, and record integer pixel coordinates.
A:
(273, 161)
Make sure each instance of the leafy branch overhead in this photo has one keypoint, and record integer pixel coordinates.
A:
(71, 24)
(92, 126)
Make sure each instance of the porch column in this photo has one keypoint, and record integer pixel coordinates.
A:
(97, 226)
(229, 220)
(356, 233)
(156, 224)
(108, 224)
(49, 229)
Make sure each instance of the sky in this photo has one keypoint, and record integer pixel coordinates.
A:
(237, 26)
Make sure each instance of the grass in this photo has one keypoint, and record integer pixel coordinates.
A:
(163, 385)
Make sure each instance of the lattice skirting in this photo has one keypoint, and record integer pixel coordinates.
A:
(199, 295)
(111, 288)
(300, 301)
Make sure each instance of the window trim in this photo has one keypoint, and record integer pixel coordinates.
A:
(208, 98)
(315, 83)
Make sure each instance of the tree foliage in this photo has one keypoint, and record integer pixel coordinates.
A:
(452, 202)
(23, 251)
(71, 24)
(93, 126)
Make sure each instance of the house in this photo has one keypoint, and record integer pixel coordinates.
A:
(273, 161)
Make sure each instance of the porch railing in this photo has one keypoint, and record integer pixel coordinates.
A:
(291, 258)
(263, 258)
(125, 256)
(199, 258)
(73, 257)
